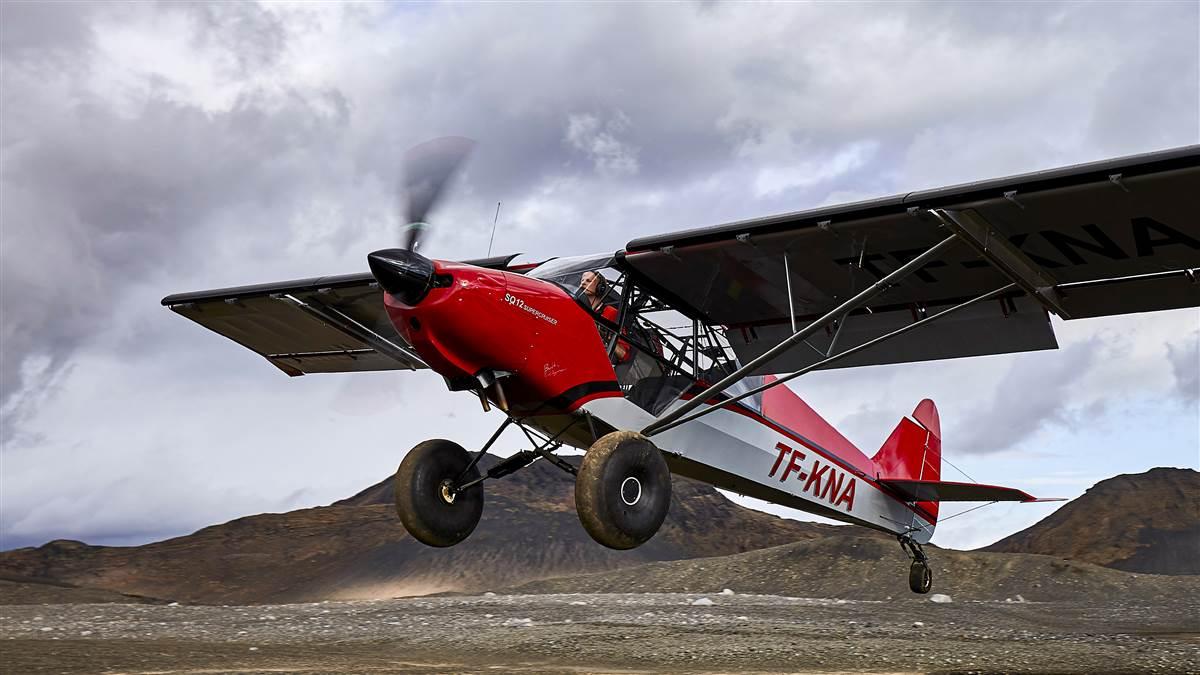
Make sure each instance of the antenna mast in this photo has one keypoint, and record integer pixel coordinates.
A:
(493, 237)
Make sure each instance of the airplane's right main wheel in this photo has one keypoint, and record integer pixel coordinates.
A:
(920, 577)
(623, 490)
(432, 512)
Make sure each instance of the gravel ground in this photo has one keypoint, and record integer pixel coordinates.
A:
(642, 632)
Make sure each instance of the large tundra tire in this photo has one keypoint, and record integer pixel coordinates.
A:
(430, 512)
(623, 490)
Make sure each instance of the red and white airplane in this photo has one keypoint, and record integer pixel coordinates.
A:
(672, 360)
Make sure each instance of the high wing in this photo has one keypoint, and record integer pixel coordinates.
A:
(332, 324)
(1097, 239)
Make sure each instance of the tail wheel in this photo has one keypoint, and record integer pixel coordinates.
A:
(425, 500)
(623, 490)
(920, 577)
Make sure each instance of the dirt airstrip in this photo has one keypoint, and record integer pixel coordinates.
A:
(614, 632)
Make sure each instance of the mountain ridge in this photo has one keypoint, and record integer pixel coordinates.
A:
(1147, 522)
(356, 547)
(530, 539)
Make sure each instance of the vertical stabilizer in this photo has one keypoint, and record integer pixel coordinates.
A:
(914, 451)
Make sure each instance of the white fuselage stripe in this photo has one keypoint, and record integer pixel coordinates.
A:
(770, 464)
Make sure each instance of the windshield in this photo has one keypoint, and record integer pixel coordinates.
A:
(570, 268)
(654, 363)
(568, 273)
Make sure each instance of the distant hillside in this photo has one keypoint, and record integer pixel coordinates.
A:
(1146, 522)
(871, 568)
(357, 548)
(21, 591)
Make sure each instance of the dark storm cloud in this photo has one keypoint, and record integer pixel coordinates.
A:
(99, 192)
(625, 102)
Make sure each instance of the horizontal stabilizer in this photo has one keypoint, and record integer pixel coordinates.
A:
(945, 491)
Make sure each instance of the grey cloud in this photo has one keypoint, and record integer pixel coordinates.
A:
(251, 36)
(710, 88)
(96, 200)
(1034, 395)
(1185, 366)
(1149, 97)
(39, 30)
(601, 142)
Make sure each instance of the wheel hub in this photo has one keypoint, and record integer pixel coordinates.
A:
(631, 491)
(447, 492)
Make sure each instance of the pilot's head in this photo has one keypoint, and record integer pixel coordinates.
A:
(594, 286)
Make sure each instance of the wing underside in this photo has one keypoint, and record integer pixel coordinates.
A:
(1099, 239)
(331, 324)
(319, 325)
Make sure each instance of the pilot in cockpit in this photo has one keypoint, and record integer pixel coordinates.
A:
(637, 371)
(595, 290)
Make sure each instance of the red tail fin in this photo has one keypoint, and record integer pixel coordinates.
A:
(914, 450)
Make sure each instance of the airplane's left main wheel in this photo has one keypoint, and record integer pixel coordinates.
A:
(623, 490)
(431, 511)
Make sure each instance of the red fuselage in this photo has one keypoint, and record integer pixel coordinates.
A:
(477, 320)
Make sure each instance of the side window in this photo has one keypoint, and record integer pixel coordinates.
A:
(741, 386)
(746, 384)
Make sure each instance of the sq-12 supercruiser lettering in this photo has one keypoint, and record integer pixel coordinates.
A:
(670, 355)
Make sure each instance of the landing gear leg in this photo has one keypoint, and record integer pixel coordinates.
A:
(920, 577)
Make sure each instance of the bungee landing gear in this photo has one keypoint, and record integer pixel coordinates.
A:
(623, 490)
(920, 577)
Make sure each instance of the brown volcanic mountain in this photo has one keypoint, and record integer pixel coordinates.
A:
(356, 548)
(1145, 522)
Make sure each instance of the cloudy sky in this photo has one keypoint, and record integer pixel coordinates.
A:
(155, 148)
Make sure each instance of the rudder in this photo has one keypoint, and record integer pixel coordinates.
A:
(914, 451)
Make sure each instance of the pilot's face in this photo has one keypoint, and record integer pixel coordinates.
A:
(588, 282)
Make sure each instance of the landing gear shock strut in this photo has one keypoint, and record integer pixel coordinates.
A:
(920, 577)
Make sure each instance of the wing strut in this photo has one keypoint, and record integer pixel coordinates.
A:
(830, 359)
(838, 312)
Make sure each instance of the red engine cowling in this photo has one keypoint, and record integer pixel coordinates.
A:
(465, 320)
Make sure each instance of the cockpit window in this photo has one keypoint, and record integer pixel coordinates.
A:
(567, 270)
(568, 273)
(645, 371)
